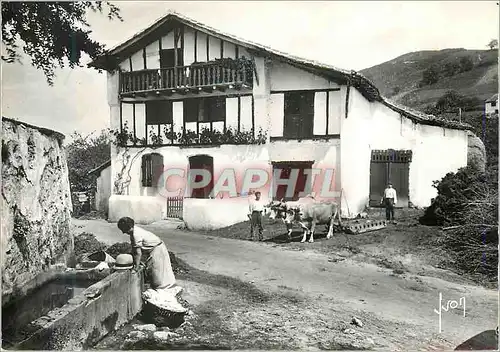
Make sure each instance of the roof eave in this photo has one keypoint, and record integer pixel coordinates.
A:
(99, 168)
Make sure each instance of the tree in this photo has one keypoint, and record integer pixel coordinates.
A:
(466, 64)
(493, 44)
(430, 76)
(451, 100)
(85, 153)
(451, 68)
(51, 32)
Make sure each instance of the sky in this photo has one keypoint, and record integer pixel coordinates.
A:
(347, 34)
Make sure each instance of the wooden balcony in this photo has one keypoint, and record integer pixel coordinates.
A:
(184, 79)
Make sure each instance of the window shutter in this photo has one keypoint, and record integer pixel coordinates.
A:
(159, 112)
(144, 171)
(156, 168)
(191, 108)
(217, 108)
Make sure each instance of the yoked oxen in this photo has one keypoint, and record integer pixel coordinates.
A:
(306, 211)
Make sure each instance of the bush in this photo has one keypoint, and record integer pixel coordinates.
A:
(83, 154)
(430, 76)
(467, 203)
(87, 243)
(466, 64)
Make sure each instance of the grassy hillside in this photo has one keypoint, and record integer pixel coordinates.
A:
(400, 79)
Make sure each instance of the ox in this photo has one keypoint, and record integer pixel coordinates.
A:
(305, 211)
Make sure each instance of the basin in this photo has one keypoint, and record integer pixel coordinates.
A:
(20, 312)
(72, 311)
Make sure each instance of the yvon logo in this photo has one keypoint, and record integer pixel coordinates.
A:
(450, 304)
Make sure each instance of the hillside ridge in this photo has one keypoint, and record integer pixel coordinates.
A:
(418, 79)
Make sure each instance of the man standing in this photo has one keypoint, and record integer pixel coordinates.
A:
(390, 200)
(256, 208)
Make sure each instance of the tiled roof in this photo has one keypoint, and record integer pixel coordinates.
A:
(493, 98)
(101, 167)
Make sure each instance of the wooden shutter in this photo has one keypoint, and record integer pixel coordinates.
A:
(299, 115)
(306, 114)
(146, 170)
(167, 58)
(216, 107)
(159, 112)
(156, 168)
(191, 110)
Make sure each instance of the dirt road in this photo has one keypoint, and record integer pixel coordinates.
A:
(397, 310)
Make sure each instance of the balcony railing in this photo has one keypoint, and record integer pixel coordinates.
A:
(190, 77)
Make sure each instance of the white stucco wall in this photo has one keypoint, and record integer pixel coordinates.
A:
(370, 126)
(210, 214)
(287, 77)
(103, 191)
(489, 108)
(235, 158)
(144, 210)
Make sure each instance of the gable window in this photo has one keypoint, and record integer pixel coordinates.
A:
(167, 58)
(151, 169)
(159, 112)
(209, 109)
(299, 114)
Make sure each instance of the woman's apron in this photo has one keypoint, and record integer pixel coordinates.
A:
(159, 267)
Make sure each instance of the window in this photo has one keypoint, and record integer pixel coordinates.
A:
(167, 58)
(299, 115)
(493, 103)
(205, 109)
(159, 112)
(151, 169)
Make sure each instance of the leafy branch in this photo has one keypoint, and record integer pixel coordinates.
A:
(52, 32)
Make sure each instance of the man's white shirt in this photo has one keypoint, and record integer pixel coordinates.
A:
(391, 193)
(256, 206)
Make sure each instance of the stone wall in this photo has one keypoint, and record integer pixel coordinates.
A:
(35, 204)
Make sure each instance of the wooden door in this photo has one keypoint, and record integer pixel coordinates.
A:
(399, 176)
(285, 173)
(202, 162)
(390, 166)
(281, 189)
(378, 181)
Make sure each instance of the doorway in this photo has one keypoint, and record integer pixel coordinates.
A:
(202, 162)
(286, 168)
(390, 166)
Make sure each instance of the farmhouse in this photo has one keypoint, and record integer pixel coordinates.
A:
(185, 95)
(491, 105)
